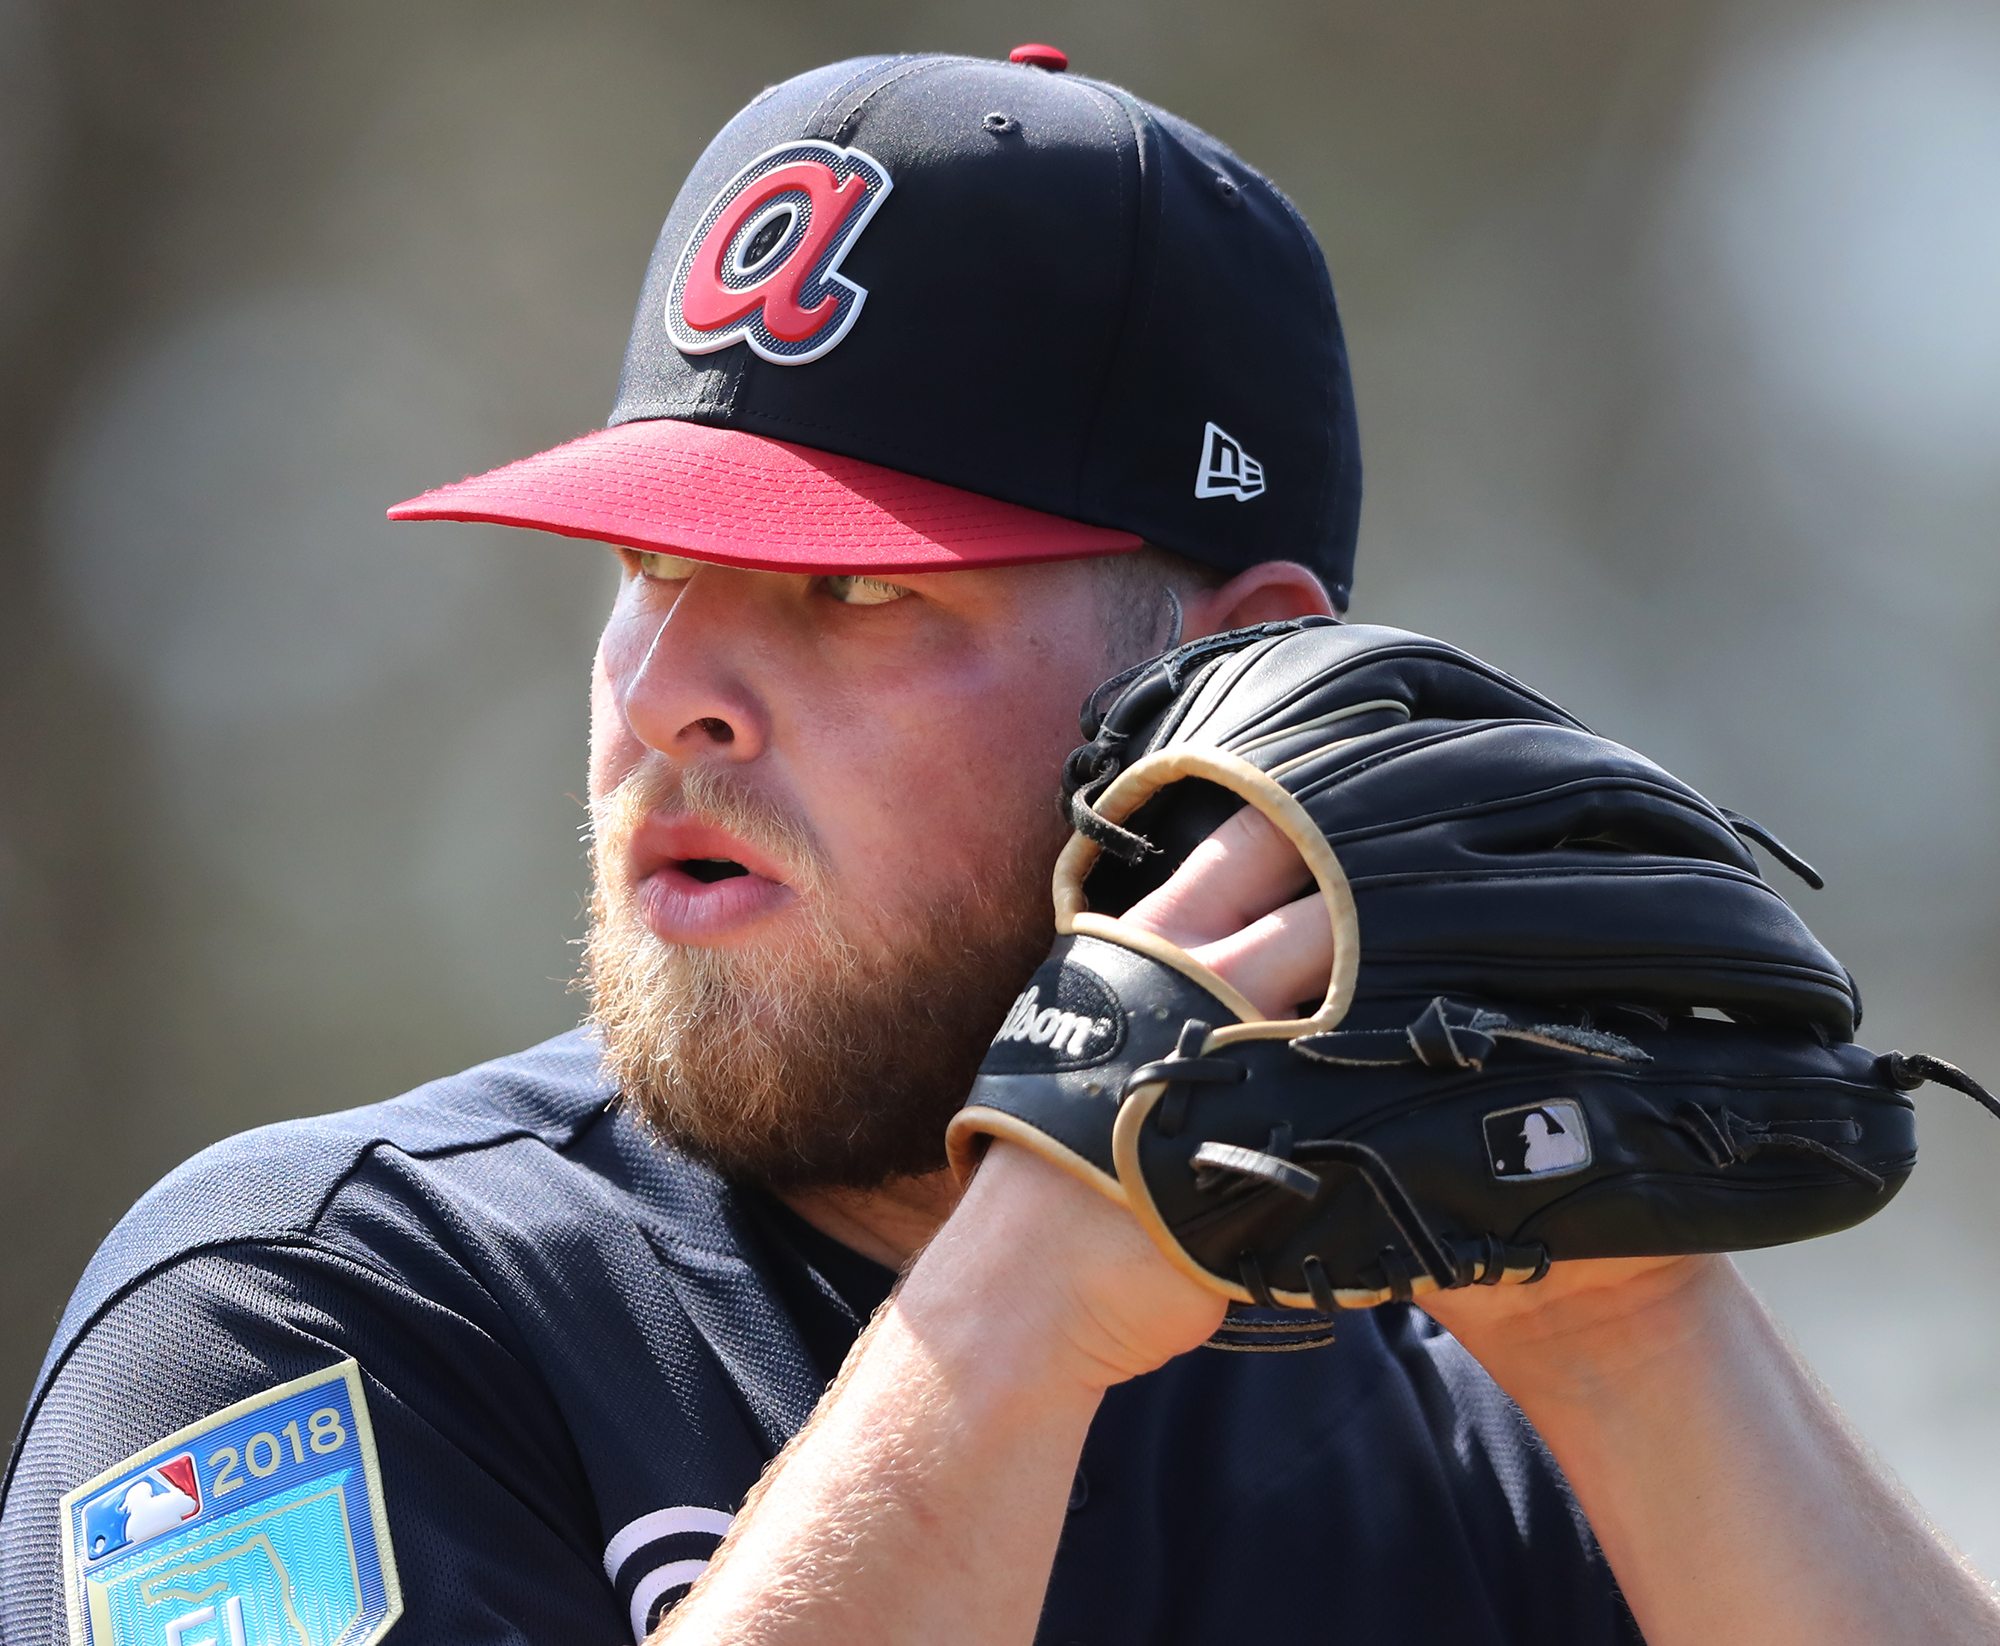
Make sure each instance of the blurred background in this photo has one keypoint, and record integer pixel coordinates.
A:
(1676, 330)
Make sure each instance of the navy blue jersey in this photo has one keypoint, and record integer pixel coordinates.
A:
(550, 1356)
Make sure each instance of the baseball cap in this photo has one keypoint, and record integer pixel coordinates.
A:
(919, 313)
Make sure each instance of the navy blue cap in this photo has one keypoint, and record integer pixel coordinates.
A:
(921, 312)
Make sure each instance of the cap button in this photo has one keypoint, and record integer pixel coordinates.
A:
(1051, 58)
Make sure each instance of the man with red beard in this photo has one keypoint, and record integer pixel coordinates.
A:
(600, 1339)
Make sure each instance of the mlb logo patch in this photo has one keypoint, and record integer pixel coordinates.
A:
(1537, 1140)
(261, 1525)
(137, 1511)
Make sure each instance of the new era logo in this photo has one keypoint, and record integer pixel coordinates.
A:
(1227, 470)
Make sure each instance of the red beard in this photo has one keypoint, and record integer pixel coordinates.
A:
(830, 1057)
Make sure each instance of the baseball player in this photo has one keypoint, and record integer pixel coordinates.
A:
(955, 388)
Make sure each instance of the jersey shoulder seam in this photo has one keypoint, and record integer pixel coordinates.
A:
(553, 1093)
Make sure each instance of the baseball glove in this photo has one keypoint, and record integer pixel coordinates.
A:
(1567, 1017)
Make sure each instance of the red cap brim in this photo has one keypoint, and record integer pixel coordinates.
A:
(744, 500)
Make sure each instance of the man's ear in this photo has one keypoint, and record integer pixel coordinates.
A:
(1266, 593)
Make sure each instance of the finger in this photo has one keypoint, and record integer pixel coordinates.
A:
(1235, 877)
(1279, 961)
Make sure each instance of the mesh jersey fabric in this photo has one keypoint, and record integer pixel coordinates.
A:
(564, 1328)
(828, 1289)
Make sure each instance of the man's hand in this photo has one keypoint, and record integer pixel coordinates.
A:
(1733, 1502)
(1054, 1261)
(1118, 1304)
(1235, 905)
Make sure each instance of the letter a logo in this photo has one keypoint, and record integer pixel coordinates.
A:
(763, 263)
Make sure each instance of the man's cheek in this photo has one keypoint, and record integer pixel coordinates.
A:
(614, 748)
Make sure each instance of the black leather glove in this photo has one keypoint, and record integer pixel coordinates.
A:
(1508, 1068)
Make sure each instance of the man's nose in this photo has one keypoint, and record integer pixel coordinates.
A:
(680, 675)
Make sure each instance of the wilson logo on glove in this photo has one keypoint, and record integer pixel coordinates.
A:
(1075, 1022)
(762, 264)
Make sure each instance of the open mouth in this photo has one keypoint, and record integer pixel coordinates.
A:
(698, 883)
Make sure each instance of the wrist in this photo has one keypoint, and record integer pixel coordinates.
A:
(1040, 1281)
(991, 1333)
(1601, 1330)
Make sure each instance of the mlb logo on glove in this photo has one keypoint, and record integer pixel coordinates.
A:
(1538, 1139)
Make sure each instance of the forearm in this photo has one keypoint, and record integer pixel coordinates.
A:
(923, 1503)
(1731, 1499)
(924, 1500)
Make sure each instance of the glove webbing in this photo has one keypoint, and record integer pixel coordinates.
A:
(1450, 1035)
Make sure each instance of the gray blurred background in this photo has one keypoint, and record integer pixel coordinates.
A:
(1676, 330)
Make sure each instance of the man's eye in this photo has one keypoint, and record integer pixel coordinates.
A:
(864, 591)
(665, 568)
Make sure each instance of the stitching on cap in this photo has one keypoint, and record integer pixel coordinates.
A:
(914, 65)
(842, 88)
(1114, 363)
(889, 70)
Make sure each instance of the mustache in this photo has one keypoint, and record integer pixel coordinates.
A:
(720, 797)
